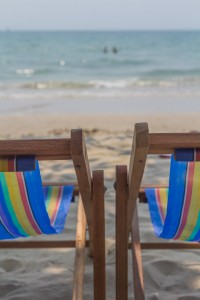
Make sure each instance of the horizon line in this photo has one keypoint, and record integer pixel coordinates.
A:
(96, 30)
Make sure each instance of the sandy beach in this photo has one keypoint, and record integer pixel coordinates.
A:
(48, 274)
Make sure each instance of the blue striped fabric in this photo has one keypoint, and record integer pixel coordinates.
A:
(181, 219)
(23, 200)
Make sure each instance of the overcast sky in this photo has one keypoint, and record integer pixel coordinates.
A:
(99, 14)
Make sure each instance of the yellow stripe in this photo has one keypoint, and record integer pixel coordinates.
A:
(194, 205)
(3, 165)
(163, 199)
(52, 201)
(17, 203)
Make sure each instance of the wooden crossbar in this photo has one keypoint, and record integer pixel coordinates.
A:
(43, 149)
(168, 246)
(39, 244)
(165, 143)
(72, 244)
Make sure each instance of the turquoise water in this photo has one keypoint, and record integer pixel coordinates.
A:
(137, 67)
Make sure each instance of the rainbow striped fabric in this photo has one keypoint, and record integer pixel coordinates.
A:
(27, 208)
(17, 163)
(175, 212)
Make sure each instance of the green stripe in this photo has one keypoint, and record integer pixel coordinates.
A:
(9, 204)
(196, 229)
(50, 191)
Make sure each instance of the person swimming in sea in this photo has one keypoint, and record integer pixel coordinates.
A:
(114, 50)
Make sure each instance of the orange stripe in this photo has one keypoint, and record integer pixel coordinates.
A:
(25, 202)
(57, 204)
(187, 200)
(160, 205)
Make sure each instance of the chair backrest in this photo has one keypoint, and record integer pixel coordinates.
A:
(145, 143)
(73, 148)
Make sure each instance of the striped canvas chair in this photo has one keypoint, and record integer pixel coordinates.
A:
(174, 210)
(29, 207)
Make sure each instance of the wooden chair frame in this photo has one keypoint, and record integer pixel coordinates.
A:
(91, 203)
(128, 190)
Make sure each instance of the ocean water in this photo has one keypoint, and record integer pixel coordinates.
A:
(99, 71)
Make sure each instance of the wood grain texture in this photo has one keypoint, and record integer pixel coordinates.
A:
(121, 233)
(171, 245)
(38, 244)
(83, 173)
(72, 244)
(79, 265)
(43, 149)
(99, 236)
(138, 158)
(162, 143)
(138, 278)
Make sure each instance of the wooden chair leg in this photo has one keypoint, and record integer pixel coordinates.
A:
(99, 236)
(79, 265)
(121, 233)
(137, 259)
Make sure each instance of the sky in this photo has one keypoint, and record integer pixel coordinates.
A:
(99, 14)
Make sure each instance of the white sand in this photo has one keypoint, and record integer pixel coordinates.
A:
(48, 274)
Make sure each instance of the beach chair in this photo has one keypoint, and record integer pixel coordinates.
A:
(18, 165)
(171, 224)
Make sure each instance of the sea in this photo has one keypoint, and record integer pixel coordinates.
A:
(99, 72)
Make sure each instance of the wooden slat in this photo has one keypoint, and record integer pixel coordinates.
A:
(136, 167)
(99, 236)
(72, 244)
(138, 278)
(81, 165)
(36, 244)
(161, 143)
(59, 183)
(167, 246)
(121, 233)
(44, 149)
(79, 265)
(53, 157)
